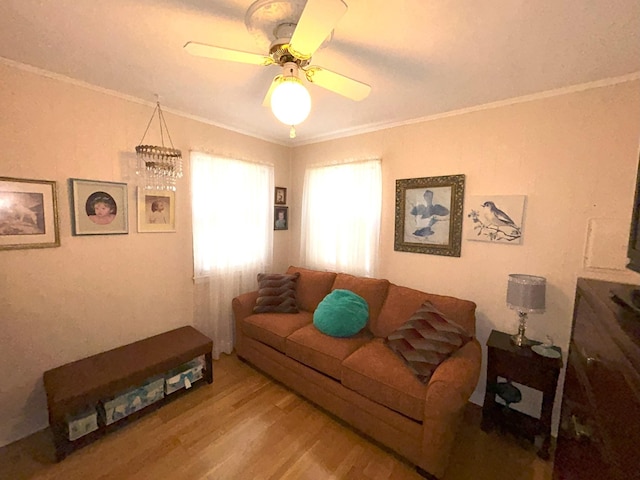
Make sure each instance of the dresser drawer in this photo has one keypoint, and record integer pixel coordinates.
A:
(609, 383)
(599, 434)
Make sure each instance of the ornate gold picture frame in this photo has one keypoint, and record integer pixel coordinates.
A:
(429, 215)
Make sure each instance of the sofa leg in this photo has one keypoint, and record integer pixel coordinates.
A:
(423, 473)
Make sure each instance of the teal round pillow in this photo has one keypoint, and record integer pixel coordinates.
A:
(342, 313)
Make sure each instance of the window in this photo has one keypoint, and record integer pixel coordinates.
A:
(341, 217)
(232, 238)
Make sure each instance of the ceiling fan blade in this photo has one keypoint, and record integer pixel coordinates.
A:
(267, 98)
(219, 53)
(345, 86)
(316, 22)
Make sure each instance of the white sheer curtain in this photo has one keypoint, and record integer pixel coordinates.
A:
(232, 238)
(341, 207)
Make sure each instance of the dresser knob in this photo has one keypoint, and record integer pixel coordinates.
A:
(580, 430)
(591, 361)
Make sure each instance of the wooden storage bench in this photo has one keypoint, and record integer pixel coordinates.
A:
(79, 385)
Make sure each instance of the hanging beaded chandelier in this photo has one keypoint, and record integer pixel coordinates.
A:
(159, 165)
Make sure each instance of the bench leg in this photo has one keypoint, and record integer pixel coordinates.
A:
(209, 367)
(423, 473)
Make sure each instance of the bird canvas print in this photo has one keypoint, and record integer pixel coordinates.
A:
(495, 218)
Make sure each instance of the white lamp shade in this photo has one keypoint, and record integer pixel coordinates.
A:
(290, 101)
(526, 293)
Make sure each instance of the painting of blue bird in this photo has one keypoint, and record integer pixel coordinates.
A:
(496, 219)
(494, 216)
(428, 213)
(428, 209)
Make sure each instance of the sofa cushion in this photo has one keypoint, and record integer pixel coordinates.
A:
(342, 313)
(312, 287)
(426, 340)
(276, 293)
(321, 352)
(402, 302)
(377, 373)
(373, 290)
(273, 328)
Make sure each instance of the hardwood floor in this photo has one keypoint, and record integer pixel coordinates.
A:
(245, 426)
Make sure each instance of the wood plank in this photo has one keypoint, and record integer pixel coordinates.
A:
(246, 426)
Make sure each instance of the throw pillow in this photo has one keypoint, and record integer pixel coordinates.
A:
(426, 340)
(342, 313)
(276, 293)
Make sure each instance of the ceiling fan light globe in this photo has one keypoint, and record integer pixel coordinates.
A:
(290, 101)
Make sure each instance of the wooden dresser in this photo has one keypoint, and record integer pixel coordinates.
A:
(599, 436)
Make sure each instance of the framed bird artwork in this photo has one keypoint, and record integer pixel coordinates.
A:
(429, 215)
(495, 218)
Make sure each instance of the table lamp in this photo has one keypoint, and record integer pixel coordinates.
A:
(525, 294)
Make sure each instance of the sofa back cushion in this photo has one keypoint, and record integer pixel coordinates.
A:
(373, 290)
(313, 286)
(402, 302)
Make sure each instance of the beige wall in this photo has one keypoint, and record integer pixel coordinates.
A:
(574, 156)
(93, 292)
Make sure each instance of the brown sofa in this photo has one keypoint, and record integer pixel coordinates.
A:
(359, 379)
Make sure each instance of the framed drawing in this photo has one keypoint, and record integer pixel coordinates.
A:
(99, 208)
(156, 210)
(281, 196)
(281, 218)
(429, 215)
(495, 218)
(28, 214)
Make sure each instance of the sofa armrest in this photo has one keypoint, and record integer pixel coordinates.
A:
(243, 305)
(448, 392)
(453, 382)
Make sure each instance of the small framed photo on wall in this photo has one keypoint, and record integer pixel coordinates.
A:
(99, 208)
(280, 196)
(281, 218)
(156, 210)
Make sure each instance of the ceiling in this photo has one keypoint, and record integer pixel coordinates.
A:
(422, 58)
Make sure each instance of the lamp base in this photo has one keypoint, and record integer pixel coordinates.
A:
(519, 338)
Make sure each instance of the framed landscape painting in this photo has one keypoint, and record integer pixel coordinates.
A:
(99, 208)
(156, 210)
(28, 214)
(429, 215)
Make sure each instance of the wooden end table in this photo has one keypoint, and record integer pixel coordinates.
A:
(524, 366)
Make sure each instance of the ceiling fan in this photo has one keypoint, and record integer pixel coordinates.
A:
(292, 30)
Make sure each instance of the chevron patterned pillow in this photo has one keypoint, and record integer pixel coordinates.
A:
(426, 340)
(276, 293)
